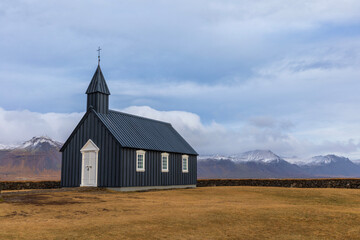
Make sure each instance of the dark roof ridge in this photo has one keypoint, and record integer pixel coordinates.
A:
(90, 110)
(132, 115)
(151, 136)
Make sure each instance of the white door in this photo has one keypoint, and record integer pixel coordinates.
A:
(89, 169)
(89, 164)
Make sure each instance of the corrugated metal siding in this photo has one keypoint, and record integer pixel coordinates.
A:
(116, 165)
(108, 158)
(99, 101)
(142, 133)
(153, 175)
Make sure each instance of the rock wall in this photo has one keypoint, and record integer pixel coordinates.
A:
(29, 185)
(298, 183)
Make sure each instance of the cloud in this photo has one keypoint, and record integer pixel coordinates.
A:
(19, 126)
(180, 119)
(256, 133)
(258, 74)
(248, 58)
(213, 138)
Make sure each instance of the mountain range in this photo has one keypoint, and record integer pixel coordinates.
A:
(36, 159)
(266, 164)
(40, 159)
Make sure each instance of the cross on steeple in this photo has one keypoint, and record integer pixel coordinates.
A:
(98, 50)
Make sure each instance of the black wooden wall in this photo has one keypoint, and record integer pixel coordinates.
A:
(116, 165)
(99, 101)
(93, 129)
(153, 175)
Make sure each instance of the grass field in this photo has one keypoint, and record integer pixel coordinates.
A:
(202, 213)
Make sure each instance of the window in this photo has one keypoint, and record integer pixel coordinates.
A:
(185, 163)
(164, 162)
(140, 161)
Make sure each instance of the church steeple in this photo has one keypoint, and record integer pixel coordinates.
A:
(98, 93)
(98, 83)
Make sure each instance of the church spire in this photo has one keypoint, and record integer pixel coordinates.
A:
(98, 93)
(98, 83)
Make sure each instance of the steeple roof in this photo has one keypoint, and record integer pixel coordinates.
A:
(98, 83)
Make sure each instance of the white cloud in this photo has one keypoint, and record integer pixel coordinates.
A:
(180, 119)
(19, 126)
(264, 74)
(256, 133)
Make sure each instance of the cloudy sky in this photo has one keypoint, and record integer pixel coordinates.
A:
(230, 76)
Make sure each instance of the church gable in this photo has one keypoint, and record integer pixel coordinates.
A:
(104, 148)
(89, 127)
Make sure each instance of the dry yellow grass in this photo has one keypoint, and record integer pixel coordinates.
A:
(202, 213)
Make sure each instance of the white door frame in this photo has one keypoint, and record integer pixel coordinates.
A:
(89, 146)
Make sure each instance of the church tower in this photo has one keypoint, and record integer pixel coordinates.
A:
(98, 93)
(153, 155)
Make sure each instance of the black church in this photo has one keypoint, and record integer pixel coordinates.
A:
(122, 151)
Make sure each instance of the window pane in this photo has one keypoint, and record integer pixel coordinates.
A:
(140, 161)
(164, 163)
(184, 164)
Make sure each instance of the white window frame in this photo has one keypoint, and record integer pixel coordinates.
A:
(167, 162)
(185, 157)
(142, 153)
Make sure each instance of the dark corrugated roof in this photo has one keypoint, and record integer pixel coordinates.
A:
(98, 83)
(143, 133)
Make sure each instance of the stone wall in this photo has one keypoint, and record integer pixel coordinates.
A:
(29, 185)
(298, 183)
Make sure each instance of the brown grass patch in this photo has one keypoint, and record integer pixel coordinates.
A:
(202, 213)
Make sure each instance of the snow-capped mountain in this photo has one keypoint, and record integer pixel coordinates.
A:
(265, 156)
(35, 143)
(332, 165)
(328, 159)
(7, 147)
(38, 158)
(39, 143)
(266, 164)
(251, 164)
(214, 156)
